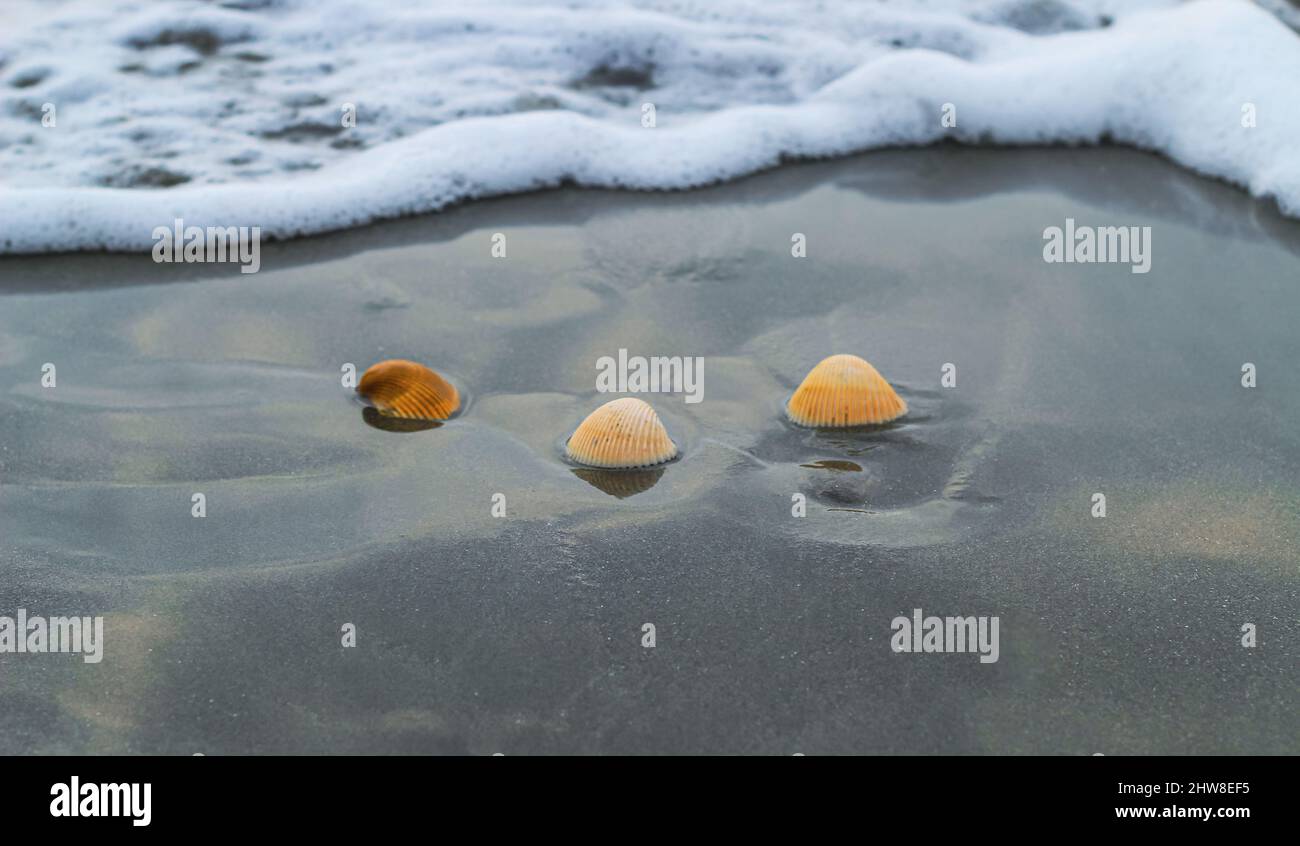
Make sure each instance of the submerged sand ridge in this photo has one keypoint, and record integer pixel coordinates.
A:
(523, 633)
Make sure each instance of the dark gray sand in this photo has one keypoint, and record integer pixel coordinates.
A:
(523, 635)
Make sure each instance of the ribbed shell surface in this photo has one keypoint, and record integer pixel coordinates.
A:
(844, 390)
(409, 389)
(621, 433)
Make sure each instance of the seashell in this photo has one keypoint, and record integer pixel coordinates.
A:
(621, 433)
(841, 391)
(407, 389)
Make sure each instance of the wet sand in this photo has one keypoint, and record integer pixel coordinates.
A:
(523, 634)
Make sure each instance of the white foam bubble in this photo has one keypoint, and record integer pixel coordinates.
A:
(238, 109)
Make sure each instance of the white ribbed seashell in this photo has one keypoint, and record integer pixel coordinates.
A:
(621, 433)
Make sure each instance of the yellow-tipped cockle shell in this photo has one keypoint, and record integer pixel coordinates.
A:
(841, 391)
(621, 433)
(408, 389)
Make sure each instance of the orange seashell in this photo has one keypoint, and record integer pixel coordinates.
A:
(408, 389)
(621, 433)
(841, 391)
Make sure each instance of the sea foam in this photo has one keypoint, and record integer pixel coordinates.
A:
(229, 115)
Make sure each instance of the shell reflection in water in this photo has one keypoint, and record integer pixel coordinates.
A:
(375, 417)
(620, 483)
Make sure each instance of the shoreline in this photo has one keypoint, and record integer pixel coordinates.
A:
(1014, 169)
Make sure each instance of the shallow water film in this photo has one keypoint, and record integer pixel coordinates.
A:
(741, 598)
